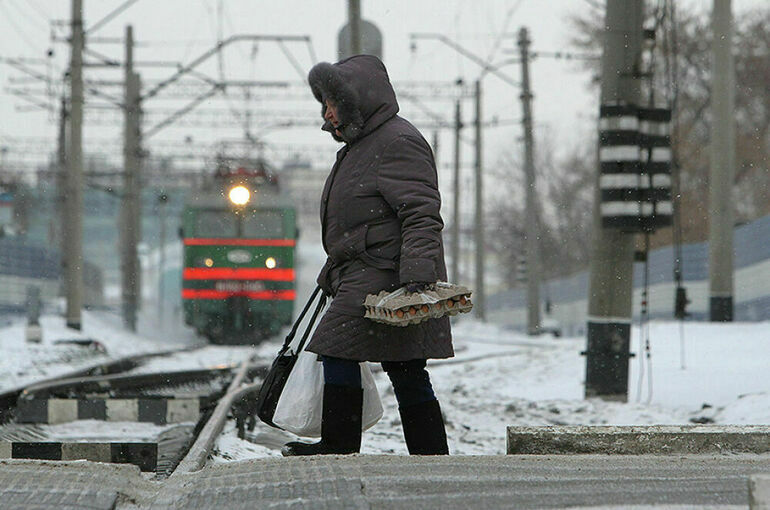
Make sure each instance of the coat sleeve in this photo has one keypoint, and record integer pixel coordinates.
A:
(407, 180)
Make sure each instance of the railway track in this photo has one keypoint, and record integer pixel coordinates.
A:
(175, 416)
(8, 398)
(109, 414)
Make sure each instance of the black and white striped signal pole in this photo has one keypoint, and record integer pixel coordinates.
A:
(611, 271)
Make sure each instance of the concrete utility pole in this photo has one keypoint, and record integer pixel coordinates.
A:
(73, 239)
(456, 199)
(532, 228)
(722, 164)
(131, 211)
(611, 270)
(60, 222)
(354, 18)
(479, 301)
(358, 36)
(162, 201)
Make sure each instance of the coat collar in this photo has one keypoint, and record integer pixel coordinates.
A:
(327, 189)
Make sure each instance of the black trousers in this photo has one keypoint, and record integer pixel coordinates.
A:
(410, 379)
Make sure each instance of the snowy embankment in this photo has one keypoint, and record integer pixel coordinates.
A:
(24, 363)
(498, 377)
(501, 378)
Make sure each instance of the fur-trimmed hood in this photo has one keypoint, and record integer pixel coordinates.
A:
(360, 88)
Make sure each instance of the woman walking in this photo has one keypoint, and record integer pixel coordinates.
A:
(381, 230)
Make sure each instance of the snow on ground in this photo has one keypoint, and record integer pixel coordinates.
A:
(501, 378)
(96, 430)
(709, 372)
(23, 363)
(703, 371)
(206, 357)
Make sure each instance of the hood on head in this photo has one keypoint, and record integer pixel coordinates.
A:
(360, 88)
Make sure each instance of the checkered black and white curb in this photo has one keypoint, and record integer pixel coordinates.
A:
(142, 454)
(157, 410)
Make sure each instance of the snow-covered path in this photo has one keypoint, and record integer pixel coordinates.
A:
(501, 378)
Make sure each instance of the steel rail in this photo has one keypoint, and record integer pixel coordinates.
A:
(199, 451)
(122, 382)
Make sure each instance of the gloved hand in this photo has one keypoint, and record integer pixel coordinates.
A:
(417, 286)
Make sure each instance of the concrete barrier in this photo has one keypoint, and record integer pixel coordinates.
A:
(142, 454)
(759, 492)
(638, 440)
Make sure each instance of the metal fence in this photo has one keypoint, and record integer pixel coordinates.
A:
(569, 296)
(24, 265)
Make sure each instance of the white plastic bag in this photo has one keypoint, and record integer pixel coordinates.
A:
(300, 406)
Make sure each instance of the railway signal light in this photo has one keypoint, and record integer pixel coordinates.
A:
(239, 195)
(521, 270)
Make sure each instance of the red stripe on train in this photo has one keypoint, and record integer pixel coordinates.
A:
(284, 295)
(237, 273)
(205, 241)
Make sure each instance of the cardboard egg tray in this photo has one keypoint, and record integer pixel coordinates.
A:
(402, 308)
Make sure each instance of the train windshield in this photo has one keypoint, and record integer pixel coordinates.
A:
(263, 224)
(216, 224)
(258, 224)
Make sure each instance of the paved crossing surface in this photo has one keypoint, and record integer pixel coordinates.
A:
(395, 482)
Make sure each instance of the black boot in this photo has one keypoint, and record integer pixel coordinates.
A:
(424, 429)
(340, 424)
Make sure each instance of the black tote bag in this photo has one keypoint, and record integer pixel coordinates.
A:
(275, 380)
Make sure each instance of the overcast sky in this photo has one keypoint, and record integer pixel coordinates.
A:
(180, 30)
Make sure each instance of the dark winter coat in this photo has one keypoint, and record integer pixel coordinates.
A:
(381, 226)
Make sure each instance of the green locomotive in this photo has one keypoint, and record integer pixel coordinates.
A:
(239, 235)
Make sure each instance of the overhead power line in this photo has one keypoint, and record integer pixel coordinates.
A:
(10, 19)
(109, 17)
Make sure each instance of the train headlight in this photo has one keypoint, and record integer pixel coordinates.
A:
(270, 263)
(208, 262)
(239, 195)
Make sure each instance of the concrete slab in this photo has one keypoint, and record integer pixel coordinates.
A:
(96, 452)
(759, 492)
(71, 485)
(33, 411)
(182, 410)
(158, 410)
(62, 410)
(142, 454)
(92, 409)
(152, 411)
(26, 498)
(638, 440)
(396, 482)
(122, 409)
(478, 482)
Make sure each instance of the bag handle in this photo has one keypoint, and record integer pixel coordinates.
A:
(321, 304)
(301, 316)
